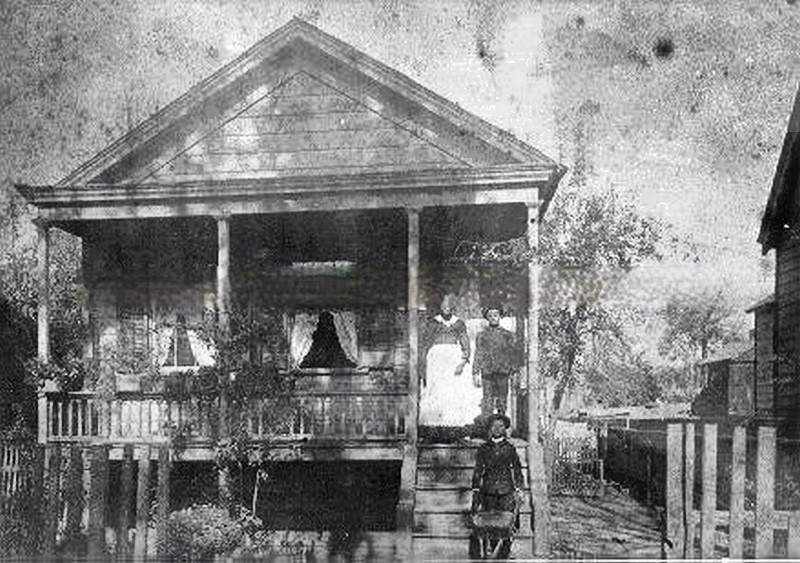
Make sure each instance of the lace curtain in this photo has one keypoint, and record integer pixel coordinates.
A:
(201, 350)
(303, 327)
(345, 323)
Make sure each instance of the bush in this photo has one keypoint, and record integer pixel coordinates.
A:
(200, 532)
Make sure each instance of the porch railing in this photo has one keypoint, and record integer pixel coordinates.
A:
(148, 417)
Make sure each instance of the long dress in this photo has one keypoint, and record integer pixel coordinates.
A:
(448, 399)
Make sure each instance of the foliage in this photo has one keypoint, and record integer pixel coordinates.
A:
(200, 532)
(697, 324)
(69, 374)
(588, 244)
(616, 376)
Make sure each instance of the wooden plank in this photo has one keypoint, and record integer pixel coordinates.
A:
(793, 543)
(288, 142)
(675, 531)
(449, 500)
(765, 492)
(142, 504)
(709, 499)
(449, 524)
(738, 467)
(126, 497)
(51, 512)
(38, 498)
(163, 498)
(688, 491)
(98, 492)
(458, 456)
(74, 497)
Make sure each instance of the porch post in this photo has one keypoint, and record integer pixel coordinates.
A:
(43, 317)
(537, 475)
(405, 505)
(223, 319)
(223, 271)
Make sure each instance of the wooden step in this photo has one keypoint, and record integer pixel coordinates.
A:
(456, 499)
(441, 476)
(430, 549)
(456, 525)
(455, 455)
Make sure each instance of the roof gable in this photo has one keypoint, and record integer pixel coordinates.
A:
(301, 101)
(782, 204)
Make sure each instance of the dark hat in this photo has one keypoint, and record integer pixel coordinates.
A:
(491, 306)
(498, 416)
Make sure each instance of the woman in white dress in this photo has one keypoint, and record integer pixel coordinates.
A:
(448, 397)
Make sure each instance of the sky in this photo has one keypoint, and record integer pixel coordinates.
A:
(681, 106)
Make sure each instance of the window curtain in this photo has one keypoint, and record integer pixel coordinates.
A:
(303, 327)
(202, 351)
(163, 345)
(345, 323)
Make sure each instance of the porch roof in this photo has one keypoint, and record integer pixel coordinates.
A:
(519, 183)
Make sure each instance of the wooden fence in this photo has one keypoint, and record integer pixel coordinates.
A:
(61, 500)
(577, 469)
(741, 530)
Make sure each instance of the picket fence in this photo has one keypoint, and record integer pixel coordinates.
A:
(682, 518)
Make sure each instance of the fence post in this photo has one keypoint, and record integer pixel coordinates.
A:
(97, 501)
(38, 496)
(74, 491)
(163, 498)
(709, 504)
(738, 467)
(53, 455)
(675, 490)
(794, 535)
(688, 490)
(765, 491)
(142, 504)
(126, 490)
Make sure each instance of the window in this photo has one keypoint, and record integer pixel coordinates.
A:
(180, 348)
(132, 340)
(326, 350)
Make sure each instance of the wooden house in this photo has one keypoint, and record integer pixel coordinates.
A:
(780, 230)
(302, 180)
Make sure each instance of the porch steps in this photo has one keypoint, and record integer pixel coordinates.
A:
(443, 500)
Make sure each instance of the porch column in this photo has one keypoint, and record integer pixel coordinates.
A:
(223, 319)
(537, 475)
(223, 271)
(408, 474)
(43, 318)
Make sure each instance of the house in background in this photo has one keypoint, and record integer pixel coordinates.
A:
(323, 193)
(780, 230)
(728, 389)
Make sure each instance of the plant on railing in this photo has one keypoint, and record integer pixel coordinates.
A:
(70, 374)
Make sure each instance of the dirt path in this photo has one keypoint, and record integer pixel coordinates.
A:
(610, 526)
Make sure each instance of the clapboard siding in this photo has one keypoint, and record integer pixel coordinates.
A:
(301, 127)
(224, 163)
(787, 296)
(765, 354)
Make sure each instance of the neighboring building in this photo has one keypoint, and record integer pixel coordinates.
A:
(780, 230)
(728, 389)
(323, 192)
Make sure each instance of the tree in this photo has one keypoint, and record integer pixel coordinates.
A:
(697, 324)
(589, 243)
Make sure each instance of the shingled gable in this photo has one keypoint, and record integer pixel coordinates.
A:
(299, 112)
(782, 205)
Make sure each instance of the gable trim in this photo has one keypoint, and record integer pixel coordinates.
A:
(284, 37)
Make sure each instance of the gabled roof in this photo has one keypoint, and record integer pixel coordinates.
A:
(305, 38)
(781, 211)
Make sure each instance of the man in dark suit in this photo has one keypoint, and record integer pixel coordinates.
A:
(497, 480)
(498, 471)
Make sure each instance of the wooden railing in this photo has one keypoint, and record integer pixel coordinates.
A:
(144, 417)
